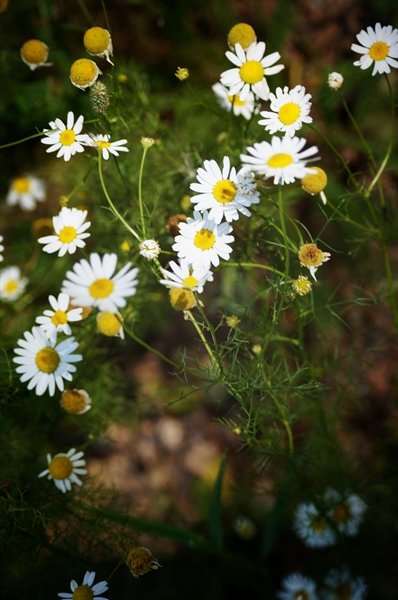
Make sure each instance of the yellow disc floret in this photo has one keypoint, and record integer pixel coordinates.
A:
(251, 72)
(279, 160)
(379, 51)
(60, 467)
(224, 191)
(59, 318)
(47, 360)
(302, 285)
(204, 239)
(84, 73)
(96, 40)
(11, 286)
(75, 401)
(83, 592)
(242, 34)
(190, 282)
(34, 53)
(310, 255)
(289, 113)
(101, 288)
(108, 323)
(21, 185)
(314, 182)
(67, 234)
(182, 299)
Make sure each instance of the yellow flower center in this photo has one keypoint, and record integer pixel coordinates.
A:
(289, 113)
(60, 467)
(74, 401)
(251, 72)
(67, 137)
(21, 185)
(102, 144)
(190, 282)
(83, 592)
(379, 51)
(318, 524)
(300, 595)
(224, 191)
(242, 34)
(341, 513)
(11, 286)
(101, 288)
(67, 234)
(343, 592)
(96, 40)
(182, 73)
(84, 72)
(279, 160)
(204, 239)
(181, 299)
(302, 286)
(59, 318)
(236, 101)
(47, 360)
(34, 52)
(314, 183)
(108, 323)
(310, 255)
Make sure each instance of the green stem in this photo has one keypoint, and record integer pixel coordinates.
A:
(140, 201)
(213, 359)
(148, 347)
(249, 265)
(30, 137)
(390, 283)
(366, 146)
(283, 226)
(112, 206)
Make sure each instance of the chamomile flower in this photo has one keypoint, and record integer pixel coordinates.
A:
(58, 319)
(220, 192)
(84, 73)
(44, 363)
(109, 324)
(335, 80)
(104, 145)
(187, 276)
(149, 249)
(250, 71)
(284, 159)
(297, 587)
(312, 257)
(1, 248)
(378, 46)
(93, 283)
(26, 191)
(202, 241)
(340, 585)
(315, 182)
(243, 34)
(346, 511)
(70, 231)
(64, 469)
(302, 285)
(289, 110)
(239, 106)
(312, 527)
(98, 42)
(12, 284)
(66, 140)
(75, 402)
(34, 53)
(86, 591)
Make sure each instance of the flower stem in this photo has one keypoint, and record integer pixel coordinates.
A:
(213, 359)
(30, 137)
(140, 202)
(283, 226)
(392, 298)
(148, 347)
(112, 206)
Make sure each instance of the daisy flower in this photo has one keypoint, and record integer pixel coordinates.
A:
(59, 317)
(378, 46)
(84, 73)
(1, 248)
(289, 110)
(106, 147)
(44, 363)
(346, 511)
(221, 193)
(93, 283)
(75, 402)
(86, 591)
(186, 275)
(64, 469)
(202, 241)
(302, 285)
(34, 53)
(239, 106)
(251, 67)
(98, 42)
(283, 158)
(335, 80)
(297, 587)
(70, 231)
(149, 249)
(26, 191)
(340, 585)
(312, 257)
(312, 527)
(67, 139)
(12, 285)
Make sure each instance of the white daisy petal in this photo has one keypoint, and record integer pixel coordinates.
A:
(377, 46)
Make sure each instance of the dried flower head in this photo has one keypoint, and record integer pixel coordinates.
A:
(173, 222)
(149, 249)
(34, 53)
(109, 324)
(242, 34)
(312, 257)
(147, 142)
(84, 73)
(97, 41)
(99, 97)
(75, 402)
(140, 561)
(182, 299)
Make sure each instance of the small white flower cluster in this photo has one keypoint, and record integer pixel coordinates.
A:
(68, 139)
(319, 524)
(222, 195)
(12, 284)
(338, 583)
